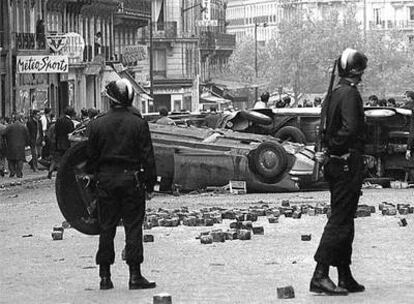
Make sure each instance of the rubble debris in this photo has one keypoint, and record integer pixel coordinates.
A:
(66, 225)
(162, 298)
(218, 236)
(273, 219)
(258, 230)
(306, 237)
(58, 228)
(57, 235)
(206, 239)
(403, 222)
(148, 238)
(285, 292)
(244, 235)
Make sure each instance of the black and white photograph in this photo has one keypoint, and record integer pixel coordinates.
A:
(207, 151)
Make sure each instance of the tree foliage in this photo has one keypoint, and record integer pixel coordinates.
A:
(304, 48)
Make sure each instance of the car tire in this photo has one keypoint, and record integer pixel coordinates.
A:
(256, 117)
(269, 162)
(289, 133)
(71, 196)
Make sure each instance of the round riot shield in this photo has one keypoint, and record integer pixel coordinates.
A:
(75, 191)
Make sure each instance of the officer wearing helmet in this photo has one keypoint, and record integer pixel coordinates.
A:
(121, 156)
(344, 142)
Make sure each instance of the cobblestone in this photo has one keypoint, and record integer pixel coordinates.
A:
(38, 270)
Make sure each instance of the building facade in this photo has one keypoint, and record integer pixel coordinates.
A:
(243, 16)
(189, 43)
(97, 40)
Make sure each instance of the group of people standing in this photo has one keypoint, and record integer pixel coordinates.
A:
(46, 138)
(16, 134)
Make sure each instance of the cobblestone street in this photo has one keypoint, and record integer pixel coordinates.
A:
(37, 269)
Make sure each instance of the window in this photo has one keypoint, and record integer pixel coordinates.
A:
(377, 16)
(411, 12)
(160, 62)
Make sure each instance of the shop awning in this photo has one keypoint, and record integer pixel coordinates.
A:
(209, 98)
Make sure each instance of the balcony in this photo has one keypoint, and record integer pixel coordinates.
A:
(29, 41)
(217, 41)
(133, 13)
(161, 31)
(391, 24)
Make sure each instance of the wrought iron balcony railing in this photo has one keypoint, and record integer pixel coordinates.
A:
(391, 24)
(29, 41)
(164, 30)
(217, 41)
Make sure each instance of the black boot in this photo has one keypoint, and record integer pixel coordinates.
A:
(136, 280)
(105, 274)
(321, 283)
(346, 280)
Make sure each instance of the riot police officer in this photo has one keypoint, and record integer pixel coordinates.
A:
(344, 141)
(121, 155)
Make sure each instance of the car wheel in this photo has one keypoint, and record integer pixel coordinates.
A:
(269, 162)
(256, 117)
(289, 133)
(75, 193)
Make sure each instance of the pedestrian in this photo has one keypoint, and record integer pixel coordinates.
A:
(343, 138)
(372, 101)
(2, 148)
(32, 125)
(45, 120)
(317, 102)
(262, 103)
(391, 102)
(121, 156)
(164, 119)
(409, 103)
(382, 102)
(212, 118)
(17, 138)
(64, 125)
(409, 100)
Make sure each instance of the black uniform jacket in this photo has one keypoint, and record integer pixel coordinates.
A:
(410, 142)
(122, 138)
(345, 126)
(63, 127)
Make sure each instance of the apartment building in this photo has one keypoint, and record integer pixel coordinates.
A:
(243, 16)
(83, 44)
(188, 44)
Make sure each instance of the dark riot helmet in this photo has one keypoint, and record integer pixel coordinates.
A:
(352, 63)
(120, 92)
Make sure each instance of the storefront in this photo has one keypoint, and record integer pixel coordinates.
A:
(176, 95)
(37, 81)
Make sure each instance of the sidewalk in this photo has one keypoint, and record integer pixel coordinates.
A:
(28, 176)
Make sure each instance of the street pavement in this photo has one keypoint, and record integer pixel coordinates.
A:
(36, 269)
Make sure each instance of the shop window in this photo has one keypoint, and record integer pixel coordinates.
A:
(177, 105)
(160, 62)
(187, 103)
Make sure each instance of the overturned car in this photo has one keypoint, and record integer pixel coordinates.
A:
(191, 158)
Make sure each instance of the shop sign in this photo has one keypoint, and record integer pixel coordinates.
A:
(42, 64)
(134, 54)
(56, 42)
(74, 47)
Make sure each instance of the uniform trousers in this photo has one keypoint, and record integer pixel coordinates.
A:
(119, 198)
(15, 167)
(345, 180)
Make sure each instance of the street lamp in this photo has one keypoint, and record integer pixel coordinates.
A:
(256, 25)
